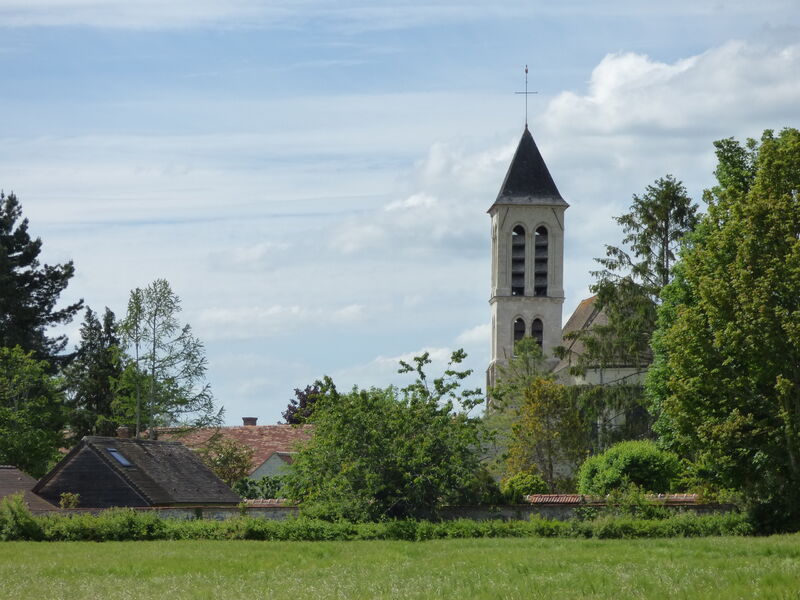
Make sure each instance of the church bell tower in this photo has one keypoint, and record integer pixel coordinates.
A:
(527, 290)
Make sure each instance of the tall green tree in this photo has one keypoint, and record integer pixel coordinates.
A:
(628, 288)
(31, 412)
(632, 277)
(388, 453)
(168, 365)
(548, 436)
(90, 380)
(30, 290)
(725, 384)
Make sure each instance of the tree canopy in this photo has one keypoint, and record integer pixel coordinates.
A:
(166, 372)
(389, 453)
(90, 380)
(30, 290)
(31, 413)
(725, 384)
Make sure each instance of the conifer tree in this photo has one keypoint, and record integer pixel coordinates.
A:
(30, 290)
(91, 378)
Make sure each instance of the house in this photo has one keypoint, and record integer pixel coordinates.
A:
(121, 471)
(14, 481)
(273, 446)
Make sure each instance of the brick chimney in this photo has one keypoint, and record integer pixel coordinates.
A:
(123, 432)
(249, 421)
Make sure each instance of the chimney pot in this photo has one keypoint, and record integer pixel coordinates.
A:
(249, 421)
(123, 432)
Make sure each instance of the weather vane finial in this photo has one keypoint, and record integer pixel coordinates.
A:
(526, 93)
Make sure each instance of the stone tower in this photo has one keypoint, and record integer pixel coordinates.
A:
(527, 256)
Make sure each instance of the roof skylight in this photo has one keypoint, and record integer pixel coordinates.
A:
(118, 457)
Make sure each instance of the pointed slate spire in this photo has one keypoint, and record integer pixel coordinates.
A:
(528, 181)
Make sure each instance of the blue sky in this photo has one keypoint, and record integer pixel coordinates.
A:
(312, 177)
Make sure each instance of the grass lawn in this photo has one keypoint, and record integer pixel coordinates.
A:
(696, 568)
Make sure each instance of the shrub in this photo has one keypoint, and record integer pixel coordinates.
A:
(16, 520)
(69, 500)
(522, 484)
(640, 463)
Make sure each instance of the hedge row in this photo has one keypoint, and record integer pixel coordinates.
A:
(125, 524)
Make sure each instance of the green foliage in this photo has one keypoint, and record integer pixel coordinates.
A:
(31, 413)
(301, 408)
(383, 453)
(29, 290)
(89, 380)
(631, 280)
(16, 520)
(266, 487)
(168, 364)
(227, 458)
(517, 486)
(725, 385)
(69, 500)
(641, 463)
(548, 436)
(122, 524)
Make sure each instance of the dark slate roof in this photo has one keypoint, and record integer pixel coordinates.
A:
(163, 472)
(12, 481)
(528, 181)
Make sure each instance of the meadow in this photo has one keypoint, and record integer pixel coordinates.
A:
(691, 568)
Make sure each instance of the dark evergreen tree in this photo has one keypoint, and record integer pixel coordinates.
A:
(29, 290)
(91, 377)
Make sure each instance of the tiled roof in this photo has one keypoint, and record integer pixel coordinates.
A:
(581, 499)
(264, 440)
(12, 480)
(554, 499)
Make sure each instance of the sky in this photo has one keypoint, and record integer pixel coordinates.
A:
(312, 177)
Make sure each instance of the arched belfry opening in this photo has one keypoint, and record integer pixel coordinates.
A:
(518, 261)
(540, 262)
(537, 331)
(519, 329)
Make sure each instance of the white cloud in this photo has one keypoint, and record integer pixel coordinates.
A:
(247, 322)
(475, 336)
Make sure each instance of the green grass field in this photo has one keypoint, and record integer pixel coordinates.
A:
(718, 568)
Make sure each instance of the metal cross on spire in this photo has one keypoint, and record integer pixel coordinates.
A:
(526, 93)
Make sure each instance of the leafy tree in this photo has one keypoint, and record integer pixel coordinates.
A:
(228, 459)
(31, 413)
(641, 463)
(91, 377)
(507, 396)
(548, 436)
(29, 290)
(264, 488)
(725, 384)
(301, 408)
(629, 284)
(388, 453)
(628, 288)
(168, 363)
